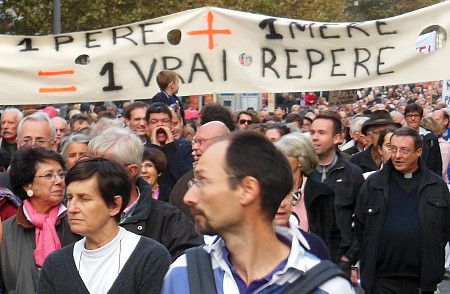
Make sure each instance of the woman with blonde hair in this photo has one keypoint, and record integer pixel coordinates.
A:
(313, 201)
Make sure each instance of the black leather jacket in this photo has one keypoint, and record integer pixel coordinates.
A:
(162, 222)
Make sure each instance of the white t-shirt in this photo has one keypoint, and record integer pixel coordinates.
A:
(99, 268)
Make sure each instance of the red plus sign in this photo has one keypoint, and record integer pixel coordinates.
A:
(210, 32)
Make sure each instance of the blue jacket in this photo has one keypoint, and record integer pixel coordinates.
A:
(179, 161)
(299, 261)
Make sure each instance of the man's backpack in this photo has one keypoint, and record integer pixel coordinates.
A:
(201, 277)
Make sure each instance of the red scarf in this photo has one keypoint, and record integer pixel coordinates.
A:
(47, 240)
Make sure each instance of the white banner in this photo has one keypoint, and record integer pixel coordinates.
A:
(220, 51)
(426, 43)
(446, 92)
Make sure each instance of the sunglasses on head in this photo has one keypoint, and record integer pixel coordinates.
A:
(243, 121)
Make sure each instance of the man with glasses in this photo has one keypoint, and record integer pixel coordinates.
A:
(206, 135)
(36, 130)
(431, 153)
(178, 153)
(244, 119)
(370, 159)
(402, 222)
(238, 186)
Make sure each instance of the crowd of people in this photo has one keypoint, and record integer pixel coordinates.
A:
(147, 198)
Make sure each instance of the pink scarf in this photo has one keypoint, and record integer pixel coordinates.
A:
(47, 240)
(155, 194)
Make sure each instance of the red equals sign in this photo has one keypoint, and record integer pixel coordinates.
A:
(56, 73)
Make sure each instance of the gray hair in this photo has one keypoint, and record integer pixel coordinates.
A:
(110, 104)
(126, 146)
(72, 138)
(300, 146)
(396, 114)
(105, 123)
(14, 110)
(38, 116)
(357, 123)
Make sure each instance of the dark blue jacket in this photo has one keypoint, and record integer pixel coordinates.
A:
(434, 215)
(162, 222)
(345, 179)
(431, 152)
(319, 203)
(179, 161)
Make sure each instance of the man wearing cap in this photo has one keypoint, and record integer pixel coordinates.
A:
(369, 159)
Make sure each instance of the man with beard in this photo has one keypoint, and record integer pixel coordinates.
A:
(36, 130)
(10, 121)
(238, 186)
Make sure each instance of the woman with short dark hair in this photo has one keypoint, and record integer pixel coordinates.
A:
(154, 163)
(109, 259)
(40, 226)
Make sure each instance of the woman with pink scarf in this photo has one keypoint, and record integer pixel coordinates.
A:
(40, 225)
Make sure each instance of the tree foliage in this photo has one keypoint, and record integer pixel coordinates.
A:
(35, 17)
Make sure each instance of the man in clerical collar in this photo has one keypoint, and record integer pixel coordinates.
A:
(402, 222)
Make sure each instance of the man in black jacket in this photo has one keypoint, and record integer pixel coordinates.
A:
(402, 222)
(431, 152)
(144, 215)
(342, 176)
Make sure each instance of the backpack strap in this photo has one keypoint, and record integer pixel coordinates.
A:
(314, 277)
(201, 277)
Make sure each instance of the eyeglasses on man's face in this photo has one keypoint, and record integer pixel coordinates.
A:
(165, 121)
(199, 141)
(29, 141)
(413, 116)
(199, 183)
(404, 151)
